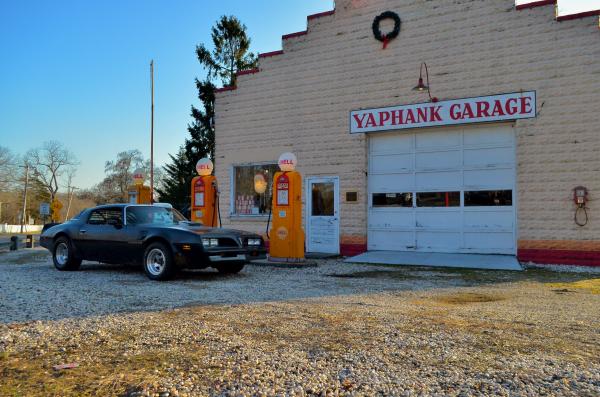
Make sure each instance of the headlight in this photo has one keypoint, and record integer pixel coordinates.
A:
(210, 242)
(254, 241)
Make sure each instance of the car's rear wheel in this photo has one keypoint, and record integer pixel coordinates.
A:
(158, 262)
(63, 255)
(231, 267)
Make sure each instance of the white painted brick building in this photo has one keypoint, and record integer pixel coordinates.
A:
(300, 98)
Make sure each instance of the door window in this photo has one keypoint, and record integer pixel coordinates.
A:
(322, 199)
(438, 199)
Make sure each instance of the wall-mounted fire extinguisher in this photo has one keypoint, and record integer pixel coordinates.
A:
(580, 198)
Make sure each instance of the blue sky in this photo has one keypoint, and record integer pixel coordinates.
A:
(78, 71)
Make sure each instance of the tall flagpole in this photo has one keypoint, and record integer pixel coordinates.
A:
(152, 132)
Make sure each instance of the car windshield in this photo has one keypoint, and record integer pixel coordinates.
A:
(153, 215)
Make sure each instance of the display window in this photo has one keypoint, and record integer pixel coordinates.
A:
(253, 189)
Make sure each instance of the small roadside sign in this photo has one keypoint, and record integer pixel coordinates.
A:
(44, 209)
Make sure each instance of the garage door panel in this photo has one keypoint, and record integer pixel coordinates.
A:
(439, 219)
(437, 180)
(490, 220)
(392, 143)
(438, 241)
(489, 178)
(392, 163)
(489, 156)
(392, 219)
(438, 160)
(391, 240)
(492, 242)
(394, 183)
(489, 135)
(438, 139)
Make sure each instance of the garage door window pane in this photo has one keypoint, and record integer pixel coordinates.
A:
(438, 199)
(488, 198)
(392, 199)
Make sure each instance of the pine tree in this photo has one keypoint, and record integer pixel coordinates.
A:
(229, 55)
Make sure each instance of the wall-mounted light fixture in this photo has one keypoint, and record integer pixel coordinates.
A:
(421, 86)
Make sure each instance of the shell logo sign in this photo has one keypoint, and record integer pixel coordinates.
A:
(287, 162)
(204, 167)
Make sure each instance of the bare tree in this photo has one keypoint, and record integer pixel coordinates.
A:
(8, 169)
(119, 173)
(49, 163)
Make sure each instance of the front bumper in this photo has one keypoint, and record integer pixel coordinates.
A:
(195, 256)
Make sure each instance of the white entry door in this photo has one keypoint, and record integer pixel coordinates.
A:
(322, 215)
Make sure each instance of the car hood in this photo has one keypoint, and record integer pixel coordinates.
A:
(213, 231)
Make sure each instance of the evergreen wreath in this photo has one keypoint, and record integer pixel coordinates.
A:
(385, 38)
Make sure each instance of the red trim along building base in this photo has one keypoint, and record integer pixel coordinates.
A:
(352, 249)
(559, 257)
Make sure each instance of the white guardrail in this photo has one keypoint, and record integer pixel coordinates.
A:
(6, 228)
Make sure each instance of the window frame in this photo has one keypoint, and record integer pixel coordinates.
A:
(233, 193)
(87, 222)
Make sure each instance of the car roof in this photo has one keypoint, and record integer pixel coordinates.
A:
(123, 205)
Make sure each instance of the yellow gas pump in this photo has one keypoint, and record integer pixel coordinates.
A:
(286, 237)
(138, 193)
(204, 194)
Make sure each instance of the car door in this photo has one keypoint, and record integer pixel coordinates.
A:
(102, 234)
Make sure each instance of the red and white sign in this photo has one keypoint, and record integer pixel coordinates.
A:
(518, 105)
(287, 161)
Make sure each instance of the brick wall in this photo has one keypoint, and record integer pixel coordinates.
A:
(300, 99)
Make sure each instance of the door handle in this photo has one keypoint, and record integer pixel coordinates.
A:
(82, 231)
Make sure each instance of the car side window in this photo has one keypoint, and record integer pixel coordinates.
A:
(102, 216)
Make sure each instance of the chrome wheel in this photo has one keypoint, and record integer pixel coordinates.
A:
(62, 254)
(156, 262)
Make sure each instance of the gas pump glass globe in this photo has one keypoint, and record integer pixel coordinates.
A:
(287, 162)
(138, 177)
(204, 167)
(260, 183)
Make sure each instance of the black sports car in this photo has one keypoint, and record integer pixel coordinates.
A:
(157, 236)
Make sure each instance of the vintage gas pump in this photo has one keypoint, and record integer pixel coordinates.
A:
(286, 237)
(204, 194)
(138, 193)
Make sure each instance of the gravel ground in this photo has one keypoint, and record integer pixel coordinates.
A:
(334, 329)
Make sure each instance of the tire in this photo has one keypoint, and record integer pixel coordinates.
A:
(231, 268)
(63, 255)
(158, 262)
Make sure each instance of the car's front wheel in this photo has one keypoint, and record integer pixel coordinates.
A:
(158, 262)
(63, 255)
(231, 268)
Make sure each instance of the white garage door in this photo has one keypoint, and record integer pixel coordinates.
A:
(443, 190)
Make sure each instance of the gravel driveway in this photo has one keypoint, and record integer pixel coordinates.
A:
(334, 329)
(32, 289)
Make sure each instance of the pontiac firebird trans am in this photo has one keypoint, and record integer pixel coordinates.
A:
(157, 236)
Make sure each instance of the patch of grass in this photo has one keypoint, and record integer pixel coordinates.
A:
(591, 286)
(463, 298)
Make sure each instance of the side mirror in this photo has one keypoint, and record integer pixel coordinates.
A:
(116, 222)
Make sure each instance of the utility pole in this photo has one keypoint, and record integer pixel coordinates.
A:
(25, 196)
(152, 132)
(72, 189)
